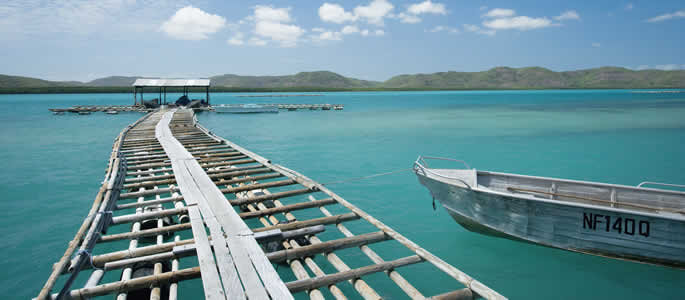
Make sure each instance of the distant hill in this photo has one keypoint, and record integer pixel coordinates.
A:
(541, 78)
(496, 78)
(24, 82)
(323, 79)
(114, 81)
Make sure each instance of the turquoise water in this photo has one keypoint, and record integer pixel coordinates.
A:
(53, 165)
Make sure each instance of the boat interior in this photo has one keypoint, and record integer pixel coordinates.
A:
(660, 201)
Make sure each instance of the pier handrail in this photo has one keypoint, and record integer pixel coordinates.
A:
(660, 183)
(420, 164)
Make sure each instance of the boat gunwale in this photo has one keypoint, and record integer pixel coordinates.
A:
(600, 184)
(478, 188)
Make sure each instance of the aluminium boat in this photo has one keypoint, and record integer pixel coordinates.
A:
(633, 223)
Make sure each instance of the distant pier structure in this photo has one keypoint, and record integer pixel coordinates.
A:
(159, 86)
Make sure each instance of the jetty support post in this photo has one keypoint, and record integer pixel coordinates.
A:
(135, 96)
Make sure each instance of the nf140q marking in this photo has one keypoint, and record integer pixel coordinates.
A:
(626, 222)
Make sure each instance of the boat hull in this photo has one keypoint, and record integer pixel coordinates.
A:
(598, 231)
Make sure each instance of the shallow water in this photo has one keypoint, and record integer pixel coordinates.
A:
(53, 166)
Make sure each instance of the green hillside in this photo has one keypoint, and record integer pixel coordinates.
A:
(24, 82)
(114, 81)
(324, 79)
(496, 78)
(541, 78)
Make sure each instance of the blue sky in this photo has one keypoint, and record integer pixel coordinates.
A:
(367, 39)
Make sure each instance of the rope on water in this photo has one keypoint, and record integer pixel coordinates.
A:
(367, 177)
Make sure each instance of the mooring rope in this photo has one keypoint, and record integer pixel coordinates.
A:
(367, 177)
(89, 255)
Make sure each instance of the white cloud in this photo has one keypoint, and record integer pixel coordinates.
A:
(444, 28)
(408, 18)
(628, 6)
(596, 45)
(519, 23)
(364, 32)
(286, 34)
(411, 16)
(257, 42)
(375, 12)
(478, 29)
(329, 12)
(112, 18)
(191, 23)
(270, 14)
(668, 67)
(568, 15)
(506, 19)
(500, 13)
(664, 17)
(350, 29)
(379, 32)
(328, 36)
(427, 7)
(237, 39)
(273, 23)
(318, 29)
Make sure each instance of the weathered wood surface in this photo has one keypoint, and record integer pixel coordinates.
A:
(177, 170)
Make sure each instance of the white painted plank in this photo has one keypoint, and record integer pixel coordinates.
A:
(210, 277)
(211, 282)
(227, 269)
(248, 274)
(273, 283)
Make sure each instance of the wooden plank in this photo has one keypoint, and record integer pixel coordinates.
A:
(273, 283)
(301, 285)
(134, 284)
(233, 227)
(329, 246)
(286, 208)
(248, 200)
(249, 187)
(211, 282)
(229, 276)
(318, 221)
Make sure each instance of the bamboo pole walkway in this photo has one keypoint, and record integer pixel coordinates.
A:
(115, 109)
(180, 203)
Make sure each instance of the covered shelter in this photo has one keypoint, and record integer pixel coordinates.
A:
(160, 85)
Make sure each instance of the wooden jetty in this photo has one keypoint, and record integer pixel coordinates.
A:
(280, 95)
(101, 108)
(180, 203)
(292, 106)
(113, 109)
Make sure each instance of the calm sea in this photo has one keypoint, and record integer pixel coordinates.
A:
(52, 167)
